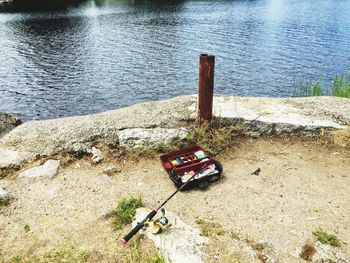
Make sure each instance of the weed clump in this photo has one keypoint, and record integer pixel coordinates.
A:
(125, 211)
(234, 235)
(326, 238)
(212, 139)
(66, 160)
(209, 229)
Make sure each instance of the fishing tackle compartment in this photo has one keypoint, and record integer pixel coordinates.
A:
(182, 164)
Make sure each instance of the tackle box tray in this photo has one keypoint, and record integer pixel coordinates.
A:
(185, 161)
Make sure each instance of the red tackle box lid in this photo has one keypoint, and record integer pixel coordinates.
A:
(183, 160)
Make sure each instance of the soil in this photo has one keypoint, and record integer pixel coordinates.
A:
(303, 185)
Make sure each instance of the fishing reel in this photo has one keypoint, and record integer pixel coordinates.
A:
(158, 223)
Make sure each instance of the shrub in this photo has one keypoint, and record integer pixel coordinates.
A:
(326, 238)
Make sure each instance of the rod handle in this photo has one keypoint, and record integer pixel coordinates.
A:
(138, 227)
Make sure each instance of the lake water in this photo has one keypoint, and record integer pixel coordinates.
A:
(104, 55)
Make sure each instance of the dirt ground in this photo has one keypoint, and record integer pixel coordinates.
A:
(303, 185)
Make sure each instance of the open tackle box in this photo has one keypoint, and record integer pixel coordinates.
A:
(182, 164)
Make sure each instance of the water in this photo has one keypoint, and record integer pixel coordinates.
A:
(106, 55)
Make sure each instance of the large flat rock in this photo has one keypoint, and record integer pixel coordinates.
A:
(298, 113)
(80, 133)
(180, 243)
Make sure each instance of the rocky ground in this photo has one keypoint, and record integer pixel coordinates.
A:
(60, 180)
(303, 185)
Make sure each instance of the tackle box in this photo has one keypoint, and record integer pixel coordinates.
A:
(182, 164)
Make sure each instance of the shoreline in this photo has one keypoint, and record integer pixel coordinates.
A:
(151, 123)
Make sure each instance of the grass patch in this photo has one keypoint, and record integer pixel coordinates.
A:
(234, 235)
(341, 87)
(209, 228)
(26, 228)
(55, 256)
(126, 211)
(213, 139)
(308, 88)
(342, 137)
(141, 254)
(326, 238)
(66, 160)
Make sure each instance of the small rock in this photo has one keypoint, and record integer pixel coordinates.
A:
(327, 253)
(104, 178)
(111, 170)
(5, 196)
(107, 215)
(96, 155)
(46, 171)
(8, 122)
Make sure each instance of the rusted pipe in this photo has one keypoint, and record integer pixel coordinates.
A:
(206, 87)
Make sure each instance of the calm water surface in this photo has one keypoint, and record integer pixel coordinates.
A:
(101, 56)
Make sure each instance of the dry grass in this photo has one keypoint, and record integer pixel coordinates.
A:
(209, 228)
(342, 138)
(307, 251)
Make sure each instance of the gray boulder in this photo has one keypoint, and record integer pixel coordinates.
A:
(5, 196)
(46, 171)
(8, 122)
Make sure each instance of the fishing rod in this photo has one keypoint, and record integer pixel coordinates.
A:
(140, 225)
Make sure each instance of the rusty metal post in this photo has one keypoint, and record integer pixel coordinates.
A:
(206, 88)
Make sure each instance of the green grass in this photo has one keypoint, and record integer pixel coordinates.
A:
(326, 238)
(156, 258)
(212, 139)
(126, 211)
(341, 87)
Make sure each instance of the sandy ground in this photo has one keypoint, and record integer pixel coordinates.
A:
(303, 185)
